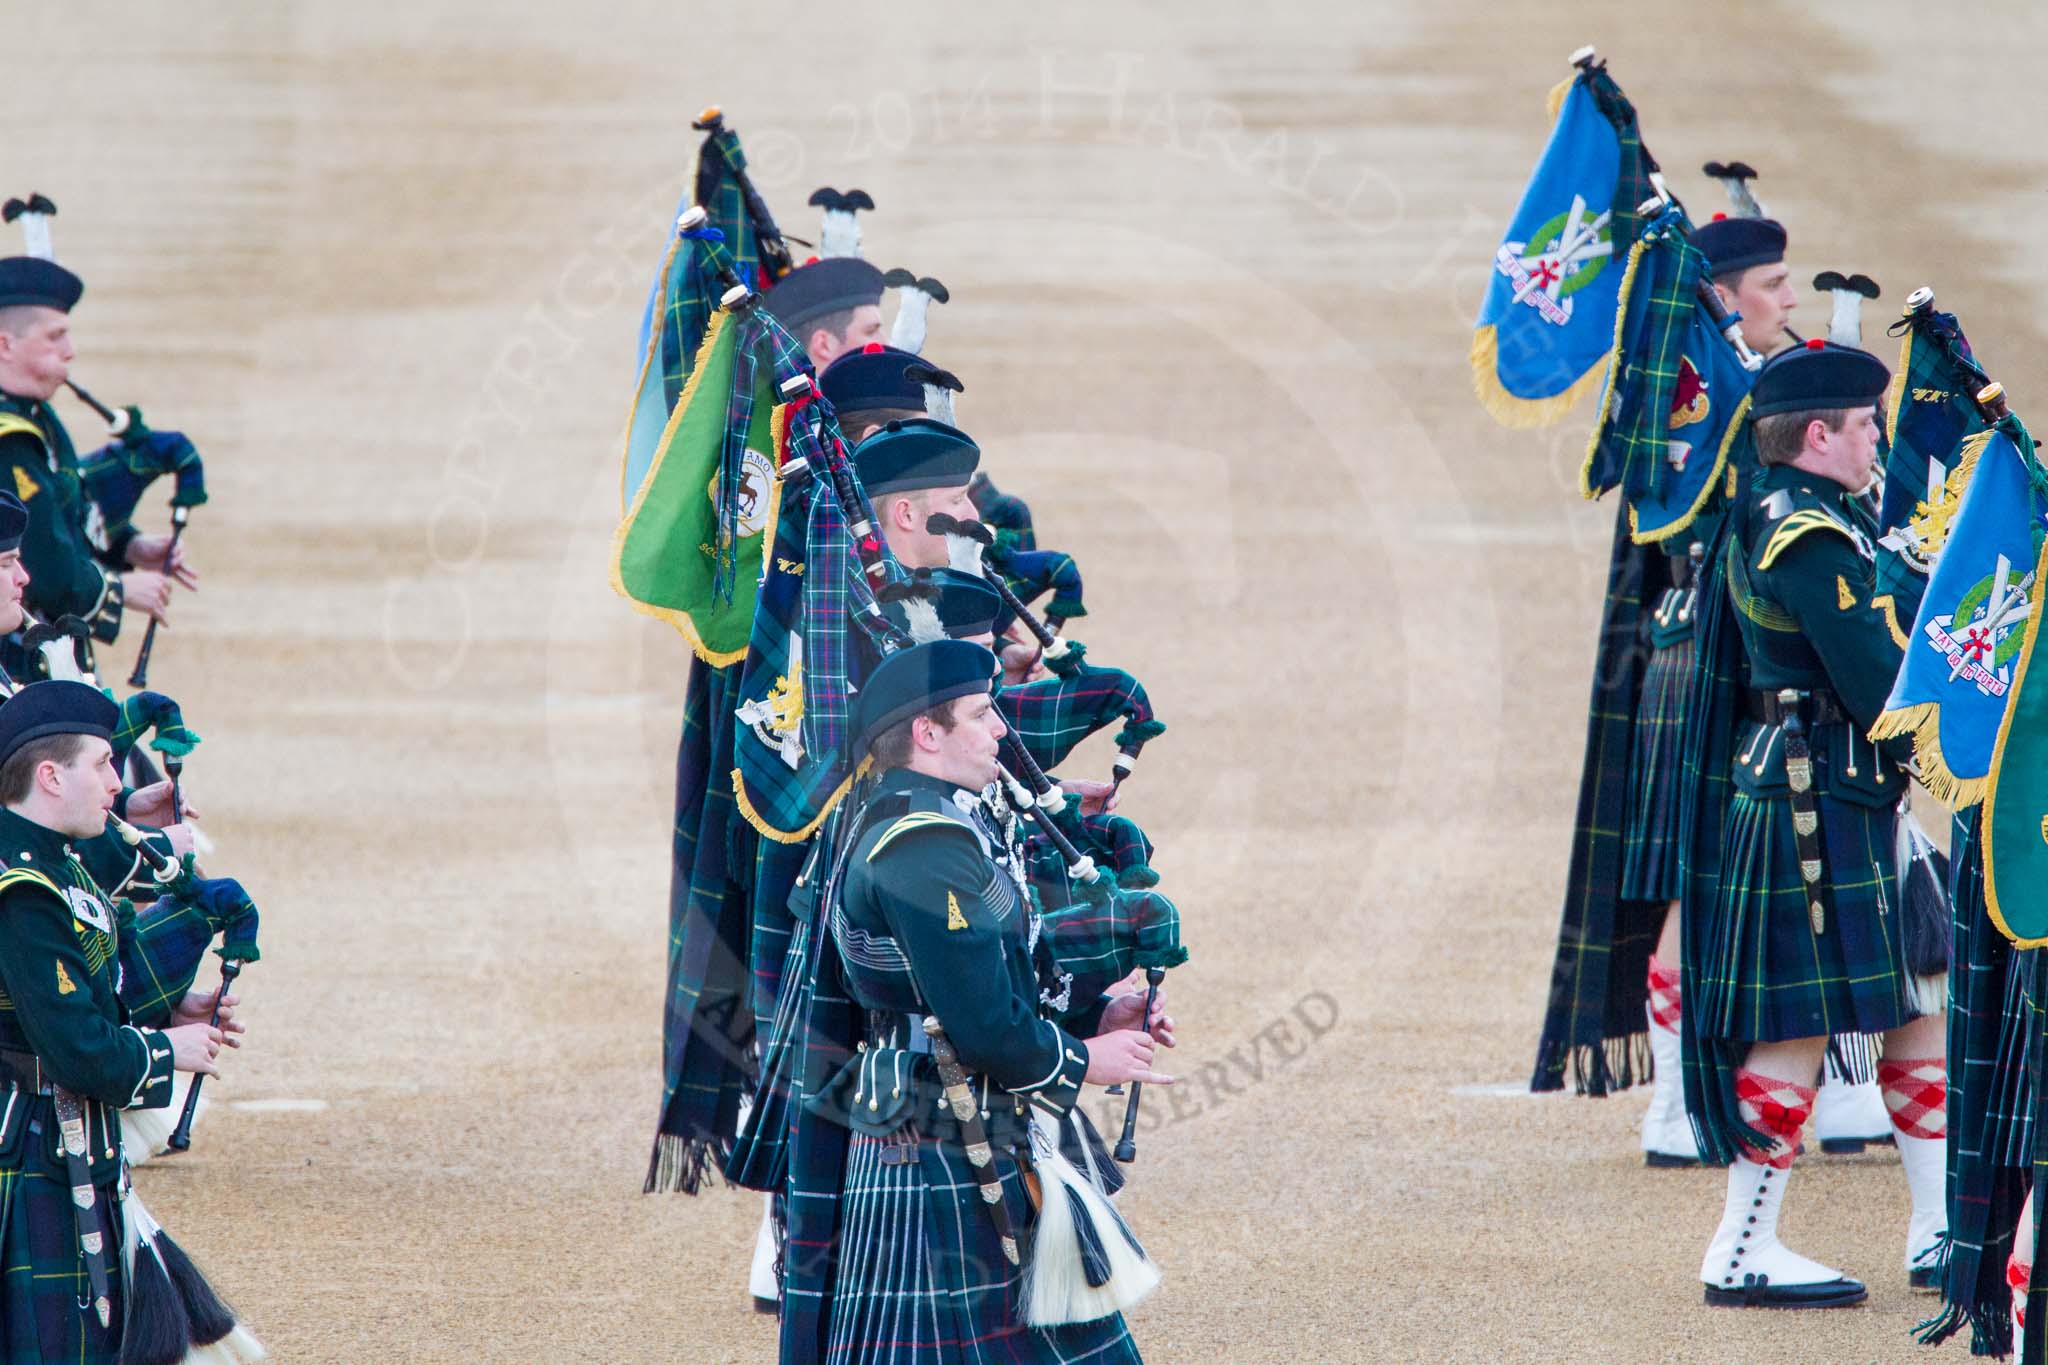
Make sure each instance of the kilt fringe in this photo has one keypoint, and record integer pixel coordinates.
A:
(678, 1164)
(1853, 1057)
(1596, 1069)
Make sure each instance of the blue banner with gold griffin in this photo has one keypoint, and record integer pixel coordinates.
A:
(1962, 654)
(1929, 413)
(1547, 321)
(1676, 390)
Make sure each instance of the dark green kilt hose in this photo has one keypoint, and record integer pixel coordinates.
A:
(1649, 838)
(921, 1276)
(44, 1273)
(1766, 975)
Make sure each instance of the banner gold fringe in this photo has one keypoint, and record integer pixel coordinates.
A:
(1612, 369)
(1922, 720)
(1513, 410)
(679, 619)
(1897, 397)
(2019, 680)
(780, 836)
(1885, 603)
(1707, 489)
(1554, 101)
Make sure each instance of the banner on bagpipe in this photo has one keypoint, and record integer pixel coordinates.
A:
(2015, 818)
(689, 548)
(1962, 655)
(686, 290)
(1548, 320)
(1676, 388)
(815, 622)
(1932, 410)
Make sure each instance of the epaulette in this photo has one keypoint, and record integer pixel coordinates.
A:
(927, 811)
(19, 876)
(1793, 522)
(14, 424)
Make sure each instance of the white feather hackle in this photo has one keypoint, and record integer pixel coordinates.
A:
(1845, 327)
(921, 615)
(907, 334)
(963, 553)
(35, 236)
(840, 235)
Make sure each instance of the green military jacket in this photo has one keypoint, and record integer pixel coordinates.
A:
(930, 922)
(1801, 572)
(70, 561)
(60, 941)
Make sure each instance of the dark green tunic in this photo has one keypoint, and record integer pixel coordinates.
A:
(60, 967)
(930, 918)
(1800, 577)
(1786, 605)
(73, 566)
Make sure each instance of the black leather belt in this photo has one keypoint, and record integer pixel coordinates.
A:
(1817, 707)
(888, 1028)
(24, 1069)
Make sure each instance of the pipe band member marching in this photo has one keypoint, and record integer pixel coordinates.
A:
(72, 1055)
(1007, 1241)
(80, 565)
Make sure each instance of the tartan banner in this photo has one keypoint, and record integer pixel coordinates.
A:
(1660, 320)
(1986, 1185)
(1593, 1024)
(1929, 414)
(707, 1023)
(683, 297)
(806, 657)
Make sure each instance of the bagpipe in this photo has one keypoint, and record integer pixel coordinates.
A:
(175, 932)
(116, 476)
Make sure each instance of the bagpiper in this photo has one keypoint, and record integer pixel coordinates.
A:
(1791, 929)
(969, 1056)
(87, 1029)
(1617, 975)
(79, 566)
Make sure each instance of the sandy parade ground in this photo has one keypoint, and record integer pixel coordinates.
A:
(1213, 273)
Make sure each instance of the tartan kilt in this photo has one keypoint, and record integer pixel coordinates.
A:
(42, 1274)
(2009, 1115)
(760, 1153)
(1766, 976)
(921, 1277)
(1649, 836)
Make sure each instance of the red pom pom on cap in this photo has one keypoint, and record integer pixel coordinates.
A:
(1720, 218)
(1816, 343)
(873, 348)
